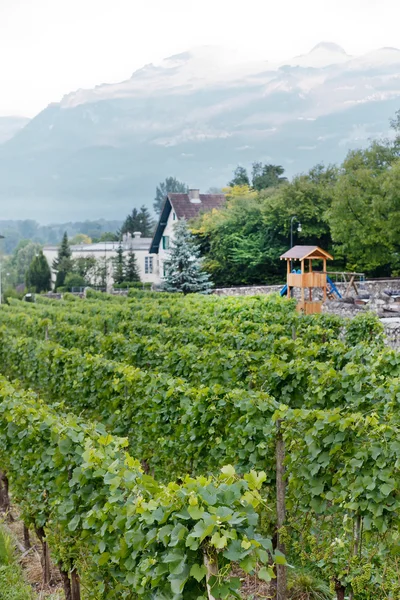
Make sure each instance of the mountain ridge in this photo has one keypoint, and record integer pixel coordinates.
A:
(10, 125)
(194, 115)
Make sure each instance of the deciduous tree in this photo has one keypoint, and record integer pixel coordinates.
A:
(266, 176)
(240, 177)
(365, 213)
(170, 185)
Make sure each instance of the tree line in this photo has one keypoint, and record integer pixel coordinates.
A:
(81, 271)
(352, 210)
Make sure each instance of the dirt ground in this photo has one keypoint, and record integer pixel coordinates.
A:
(30, 560)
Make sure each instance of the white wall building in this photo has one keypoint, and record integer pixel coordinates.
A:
(176, 207)
(105, 253)
(151, 254)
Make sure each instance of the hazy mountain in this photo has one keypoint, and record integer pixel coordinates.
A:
(196, 116)
(9, 127)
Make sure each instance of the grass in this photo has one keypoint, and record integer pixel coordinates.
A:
(303, 585)
(12, 583)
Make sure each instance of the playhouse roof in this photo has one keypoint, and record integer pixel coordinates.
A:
(303, 252)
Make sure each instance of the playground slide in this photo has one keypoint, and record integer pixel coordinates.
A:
(333, 289)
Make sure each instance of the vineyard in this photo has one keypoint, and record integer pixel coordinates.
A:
(168, 447)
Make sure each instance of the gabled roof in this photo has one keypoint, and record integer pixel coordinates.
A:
(187, 209)
(184, 208)
(302, 252)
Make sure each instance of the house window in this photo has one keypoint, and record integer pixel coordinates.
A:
(173, 216)
(148, 264)
(165, 269)
(165, 242)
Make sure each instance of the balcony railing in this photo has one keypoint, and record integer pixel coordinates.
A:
(310, 280)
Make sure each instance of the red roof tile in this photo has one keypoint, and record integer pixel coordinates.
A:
(187, 209)
(184, 208)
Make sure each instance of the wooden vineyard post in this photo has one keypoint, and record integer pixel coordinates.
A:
(66, 582)
(211, 564)
(75, 585)
(281, 571)
(357, 542)
(5, 504)
(45, 555)
(71, 583)
(340, 590)
(27, 541)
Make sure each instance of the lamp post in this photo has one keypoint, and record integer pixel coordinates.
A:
(292, 220)
(1, 291)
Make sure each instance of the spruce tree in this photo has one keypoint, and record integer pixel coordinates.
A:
(119, 265)
(38, 275)
(63, 264)
(131, 222)
(132, 269)
(100, 275)
(138, 221)
(185, 272)
(146, 223)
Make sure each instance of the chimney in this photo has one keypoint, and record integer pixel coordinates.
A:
(137, 234)
(194, 196)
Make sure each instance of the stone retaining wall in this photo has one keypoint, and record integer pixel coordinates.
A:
(392, 331)
(252, 290)
(370, 287)
(379, 303)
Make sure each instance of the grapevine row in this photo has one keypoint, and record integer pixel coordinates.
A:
(89, 499)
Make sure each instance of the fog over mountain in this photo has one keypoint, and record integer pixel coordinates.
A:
(196, 116)
(9, 127)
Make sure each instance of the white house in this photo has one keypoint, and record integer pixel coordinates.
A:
(175, 207)
(151, 254)
(105, 252)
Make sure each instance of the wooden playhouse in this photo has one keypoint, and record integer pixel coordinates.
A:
(305, 277)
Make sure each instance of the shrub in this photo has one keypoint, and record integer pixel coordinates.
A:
(138, 285)
(365, 327)
(11, 293)
(74, 280)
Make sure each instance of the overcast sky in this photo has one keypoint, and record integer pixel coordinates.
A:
(51, 47)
